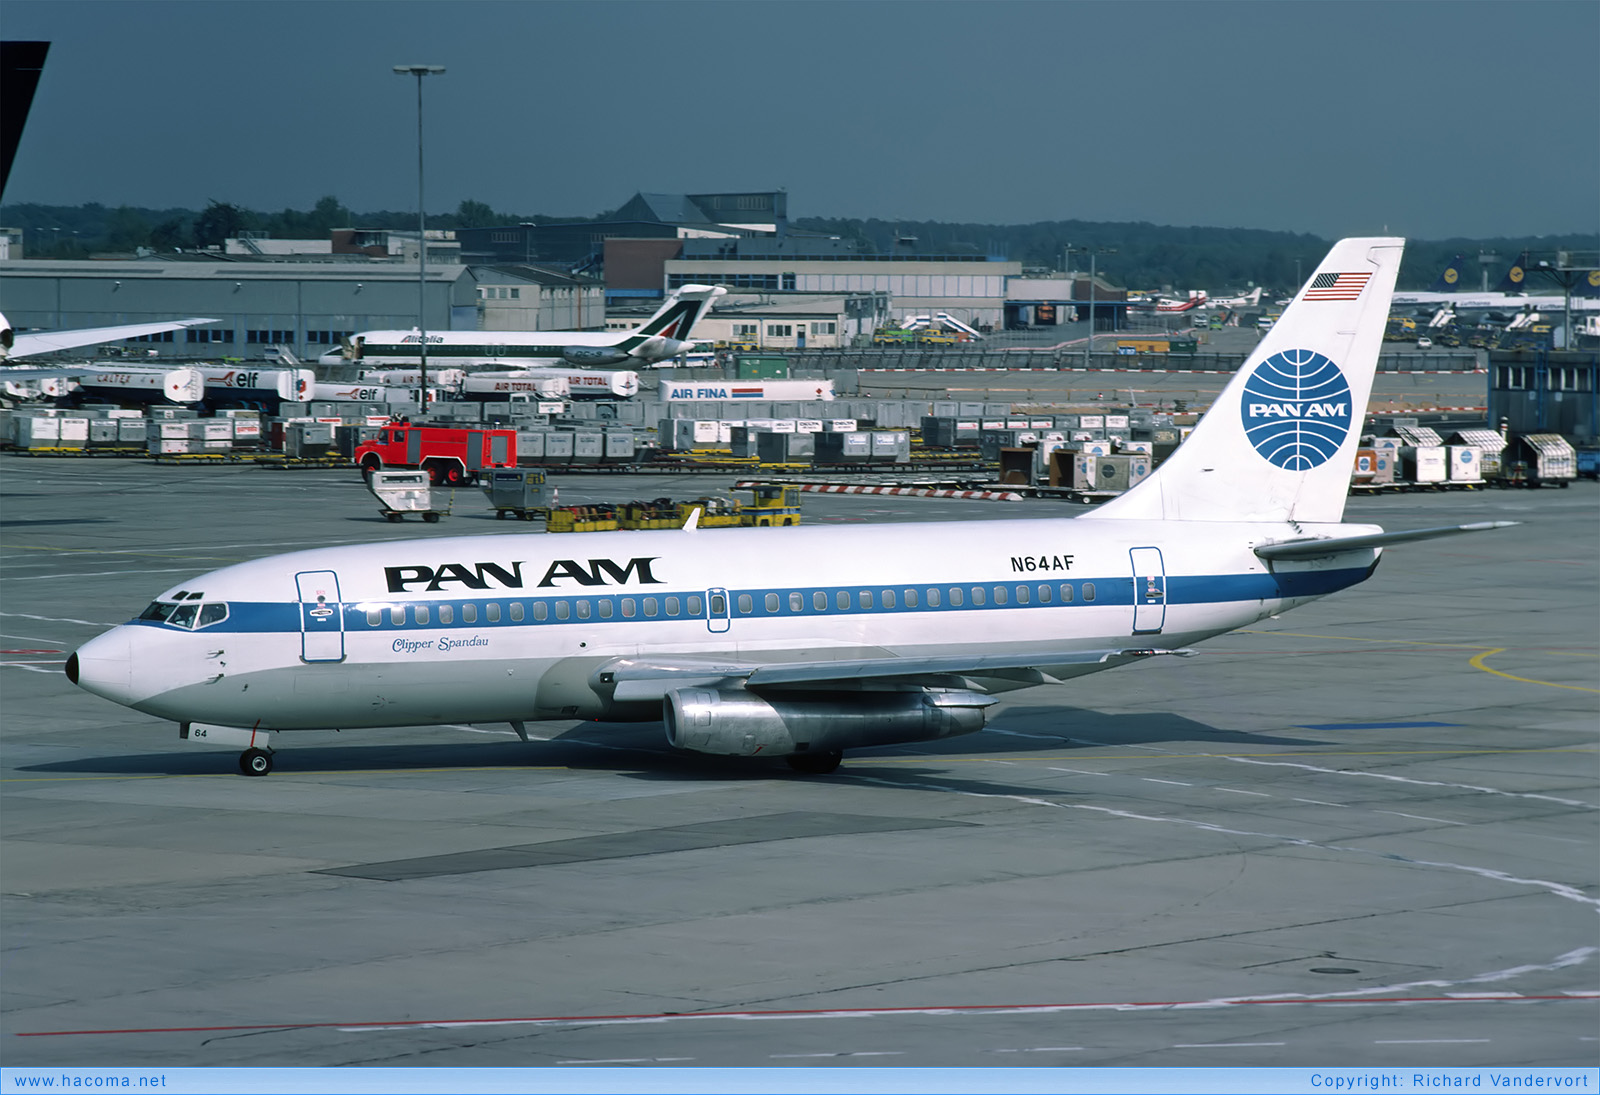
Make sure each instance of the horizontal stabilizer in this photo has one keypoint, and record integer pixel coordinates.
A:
(1312, 549)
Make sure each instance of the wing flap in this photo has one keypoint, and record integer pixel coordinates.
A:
(645, 681)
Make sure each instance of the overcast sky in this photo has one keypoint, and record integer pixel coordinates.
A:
(1429, 120)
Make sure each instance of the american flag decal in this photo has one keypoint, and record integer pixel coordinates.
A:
(1337, 286)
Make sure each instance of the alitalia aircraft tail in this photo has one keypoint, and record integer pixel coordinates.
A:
(1279, 442)
(680, 312)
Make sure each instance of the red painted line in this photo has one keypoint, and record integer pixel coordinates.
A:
(806, 1013)
(919, 492)
(32, 651)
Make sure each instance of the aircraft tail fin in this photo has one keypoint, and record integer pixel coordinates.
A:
(1449, 279)
(1516, 276)
(1279, 442)
(1588, 285)
(680, 312)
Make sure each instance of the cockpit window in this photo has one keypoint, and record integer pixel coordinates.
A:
(188, 614)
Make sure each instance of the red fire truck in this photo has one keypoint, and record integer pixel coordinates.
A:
(449, 455)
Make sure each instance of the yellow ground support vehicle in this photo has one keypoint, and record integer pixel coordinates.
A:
(714, 512)
(660, 513)
(581, 519)
(774, 506)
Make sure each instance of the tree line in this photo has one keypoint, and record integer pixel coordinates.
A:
(80, 231)
(1137, 255)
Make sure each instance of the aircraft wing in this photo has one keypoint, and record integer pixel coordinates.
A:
(1313, 549)
(646, 680)
(44, 342)
(56, 372)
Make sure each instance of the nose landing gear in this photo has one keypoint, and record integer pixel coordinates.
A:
(255, 762)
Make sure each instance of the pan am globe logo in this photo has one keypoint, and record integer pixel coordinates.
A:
(1296, 409)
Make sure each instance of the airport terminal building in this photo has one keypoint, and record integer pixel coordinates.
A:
(305, 306)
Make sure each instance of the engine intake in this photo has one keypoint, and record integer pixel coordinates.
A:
(744, 724)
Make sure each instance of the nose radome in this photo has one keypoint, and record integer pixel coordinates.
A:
(104, 665)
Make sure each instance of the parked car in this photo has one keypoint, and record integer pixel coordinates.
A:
(1424, 343)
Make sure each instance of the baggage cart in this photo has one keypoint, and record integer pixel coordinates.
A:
(515, 492)
(403, 492)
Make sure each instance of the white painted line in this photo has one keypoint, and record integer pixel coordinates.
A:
(1225, 1045)
(1078, 771)
(1484, 995)
(1408, 780)
(1319, 802)
(1419, 817)
(98, 574)
(35, 638)
(627, 1061)
(1236, 791)
(1020, 734)
(1171, 782)
(55, 619)
(858, 1053)
(1428, 1041)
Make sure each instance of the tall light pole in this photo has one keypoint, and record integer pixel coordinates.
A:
(1093, 253)
(419, 71)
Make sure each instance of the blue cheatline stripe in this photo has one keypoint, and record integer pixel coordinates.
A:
(253, 617)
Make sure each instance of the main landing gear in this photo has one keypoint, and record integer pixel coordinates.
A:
(255, 762)
(815, 764)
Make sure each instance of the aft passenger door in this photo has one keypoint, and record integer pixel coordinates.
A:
(321, 616)
(1149, 590)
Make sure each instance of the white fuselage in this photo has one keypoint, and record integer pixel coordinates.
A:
(523, 627)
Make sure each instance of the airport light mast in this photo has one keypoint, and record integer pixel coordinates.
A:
(419, 71)
(1093, 253)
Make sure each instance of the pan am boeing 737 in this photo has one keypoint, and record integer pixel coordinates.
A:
(805, 643)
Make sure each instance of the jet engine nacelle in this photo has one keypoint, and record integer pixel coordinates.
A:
(743, 724)
(593, 355)
(660, 347)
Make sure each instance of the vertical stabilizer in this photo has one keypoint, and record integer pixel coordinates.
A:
(1516, 276)
(1279, 442)
(681, 311)
(1449, 279)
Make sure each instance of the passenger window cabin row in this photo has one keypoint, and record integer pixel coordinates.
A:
(692, 606)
